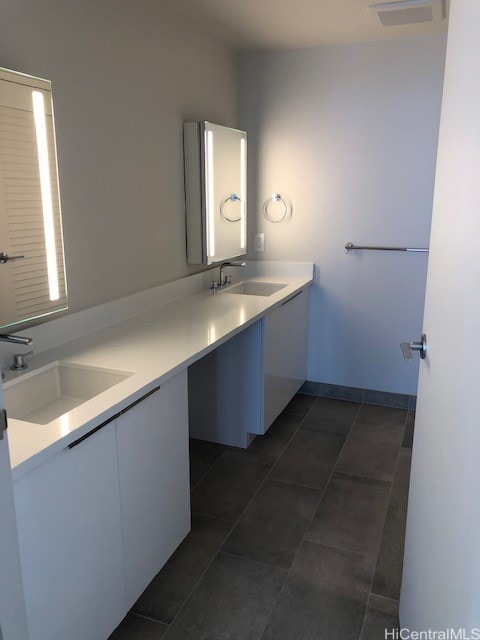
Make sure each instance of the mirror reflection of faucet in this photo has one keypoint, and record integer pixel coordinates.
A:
(9, 337)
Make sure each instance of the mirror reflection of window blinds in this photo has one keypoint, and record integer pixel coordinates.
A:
(20, 183)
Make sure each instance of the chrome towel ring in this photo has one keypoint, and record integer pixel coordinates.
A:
(233, 198)
(267, 208)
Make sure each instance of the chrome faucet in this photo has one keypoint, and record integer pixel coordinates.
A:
(7, 337)
(225, 280)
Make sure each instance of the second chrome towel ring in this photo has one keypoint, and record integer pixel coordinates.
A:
(229, 218)
(275, 209)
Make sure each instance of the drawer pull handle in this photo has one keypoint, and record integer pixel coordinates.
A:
(117, 415)
(90, 433)
(290, 299)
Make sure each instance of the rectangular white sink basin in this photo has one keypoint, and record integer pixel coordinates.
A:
(44, 395)
(247, 288)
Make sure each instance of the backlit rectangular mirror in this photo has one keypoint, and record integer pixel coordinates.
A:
(216, 192)
(32, 267)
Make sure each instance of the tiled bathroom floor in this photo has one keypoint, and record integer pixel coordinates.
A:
(298, 538)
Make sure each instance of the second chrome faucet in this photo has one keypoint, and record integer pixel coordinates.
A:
(224, 279)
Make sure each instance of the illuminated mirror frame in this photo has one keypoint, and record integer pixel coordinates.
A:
(203, 203)
(42, 105)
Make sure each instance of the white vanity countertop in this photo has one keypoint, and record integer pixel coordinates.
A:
(153, 346)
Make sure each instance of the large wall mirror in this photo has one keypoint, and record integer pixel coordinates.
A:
(32, 267)
(216, 192)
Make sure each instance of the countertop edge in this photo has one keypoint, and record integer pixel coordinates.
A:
(33, 459)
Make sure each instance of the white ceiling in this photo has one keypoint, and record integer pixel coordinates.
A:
(293, 24)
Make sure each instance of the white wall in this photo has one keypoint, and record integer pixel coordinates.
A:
(349, 133)
(125, 76)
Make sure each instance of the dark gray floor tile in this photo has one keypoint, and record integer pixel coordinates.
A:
(401, 481)
(388, 572)
(369, 452)
(409, 429)
(309, 459)
(134, 627)
(371, 415)
(331, 416)
(381, 617)
(229, 486)
(168, 591)
(351, 514)
(397, 400)
(202, 456)
(324, 596)
(274, 442)
(300, 404)
(272, 527)
(233, 601)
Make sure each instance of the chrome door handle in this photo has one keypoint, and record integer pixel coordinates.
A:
(408, 347)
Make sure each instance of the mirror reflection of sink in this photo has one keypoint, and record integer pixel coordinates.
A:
(255, 288)
(44, 395)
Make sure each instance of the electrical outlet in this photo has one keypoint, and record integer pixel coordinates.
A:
(259, 242)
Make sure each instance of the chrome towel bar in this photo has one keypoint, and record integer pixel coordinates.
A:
(349, 246)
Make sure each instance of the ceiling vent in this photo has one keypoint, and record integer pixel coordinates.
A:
(402, 12)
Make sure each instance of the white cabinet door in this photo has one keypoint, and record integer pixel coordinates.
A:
(13, 618)
(69, 528)
(154, 481)
(285, 354)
